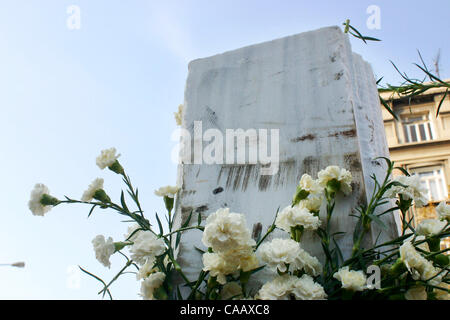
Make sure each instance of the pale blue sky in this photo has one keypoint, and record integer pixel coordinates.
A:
(66, 94)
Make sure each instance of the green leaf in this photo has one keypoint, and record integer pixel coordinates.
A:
(92, 210)
(257, 269)
(134, 232)
(122, 201)
(199, 250)
(179, 296)
(360, 36)
(377, 221)
(388, 210)
(98, 279)
(440, 103)
(161, 229)
(199, 219)
(405, 172)
(188, 220)
(338, 250)
(385, 104)
(177, 239)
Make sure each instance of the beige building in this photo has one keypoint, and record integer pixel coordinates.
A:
(420, 142)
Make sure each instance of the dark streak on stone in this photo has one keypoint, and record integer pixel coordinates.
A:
(338, 75)
(376, 163)
(237, 179)
(187, 192)
(347, 133)
(201, 209)
(247, 175)
(264, 182)
(218, 190)
(310, 165)
(303, 138)
(353, 162)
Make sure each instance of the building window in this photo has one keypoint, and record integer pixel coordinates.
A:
(433, 179)
(417, 128)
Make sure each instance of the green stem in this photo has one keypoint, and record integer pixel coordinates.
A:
(116, 276)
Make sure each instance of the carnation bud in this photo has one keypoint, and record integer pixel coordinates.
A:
(168, 201)
(299, 195)
(120, 245)
(434, 244)
(48, 200)
(398, 268)
(333, 186)
(404, 204)
(212, 282)
(116, 167)
(297, 233)
(101, 196)
(442, 260)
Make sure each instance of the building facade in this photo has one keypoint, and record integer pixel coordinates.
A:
(420, 142)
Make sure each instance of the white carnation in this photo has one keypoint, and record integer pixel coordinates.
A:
(179, 115)
(335, 173)
(297, 216)
(147, 269)
(167, 191)
(280, 253)
(150, 284)
(279, 288)
(413, 190)
(417, 265)
(146, 246)
(312, 204)
(283, 287)
(416, 293)
(306, 289)
(225, 231)
(350, 279)
(103, 249)
(443, 211)
(432, 274)
(218, 266)
(35, 205)
(413, 260)
(106, 158)
(430, 227)
(311, 265)
(242, 257)
(309, 184)
(88, 195)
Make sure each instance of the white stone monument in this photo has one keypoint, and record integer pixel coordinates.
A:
(322, 99)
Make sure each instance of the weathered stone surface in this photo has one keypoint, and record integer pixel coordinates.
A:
(323, 99)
